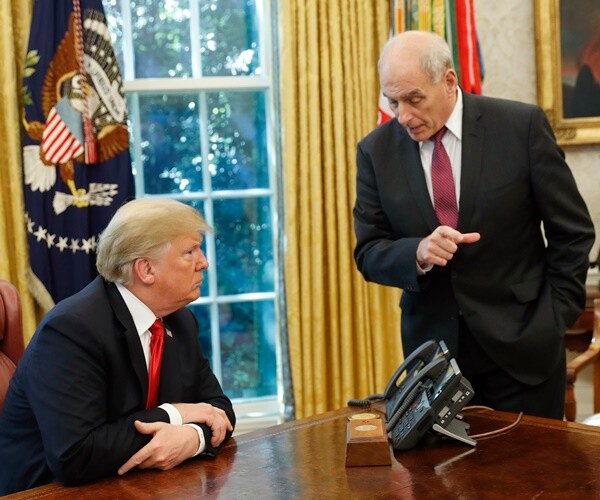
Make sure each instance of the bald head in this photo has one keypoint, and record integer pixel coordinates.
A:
(419, 82)
(429, 50)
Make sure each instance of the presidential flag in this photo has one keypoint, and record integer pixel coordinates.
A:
(76, 164)
(453, 20)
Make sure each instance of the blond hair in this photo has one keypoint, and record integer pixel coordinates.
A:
(143, 228)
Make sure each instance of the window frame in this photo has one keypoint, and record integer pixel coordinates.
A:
(266, 410)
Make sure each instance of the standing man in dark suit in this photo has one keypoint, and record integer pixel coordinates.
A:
(502, 280)
(78, 407)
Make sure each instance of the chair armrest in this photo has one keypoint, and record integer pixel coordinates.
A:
(584, 359)
(7, 368)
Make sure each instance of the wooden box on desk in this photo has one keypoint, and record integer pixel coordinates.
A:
(366, 441)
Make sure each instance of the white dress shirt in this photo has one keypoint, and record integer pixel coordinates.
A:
(452, 142)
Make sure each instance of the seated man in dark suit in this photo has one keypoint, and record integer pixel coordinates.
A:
(81, 404)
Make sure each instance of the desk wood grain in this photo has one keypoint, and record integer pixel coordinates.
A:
(540, 458)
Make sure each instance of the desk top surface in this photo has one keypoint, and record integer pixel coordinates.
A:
(306, 459)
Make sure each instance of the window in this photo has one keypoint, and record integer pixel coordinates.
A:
(200, 98)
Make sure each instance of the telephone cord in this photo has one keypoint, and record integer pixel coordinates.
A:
(496, 431)
(399, 413)
(368, 401)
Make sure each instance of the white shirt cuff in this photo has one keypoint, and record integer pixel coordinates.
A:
(422, 270)
(174, 415)
(176, 419)
(201, 437)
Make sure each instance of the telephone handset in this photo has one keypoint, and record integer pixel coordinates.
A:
(412, 365)
(398, 387)
(421, 382)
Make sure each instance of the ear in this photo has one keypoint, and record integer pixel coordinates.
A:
(144, 270)
(451, 81)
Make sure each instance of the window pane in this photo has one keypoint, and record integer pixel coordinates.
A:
(204, 288)
(237, 135)
(202, 313)
(170, 142)
(244, 246)
(248, 349)
(161, 38)
(200, 206)
(229, 38)
(193, 145)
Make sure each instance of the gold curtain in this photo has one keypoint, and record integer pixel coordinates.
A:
(15, 18)
(344, 335)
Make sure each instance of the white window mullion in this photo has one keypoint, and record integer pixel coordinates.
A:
(236, 298)
(211, 252)
(204, 83)
(263, 21)
(138, 171)
(128, 52)
(195, 39)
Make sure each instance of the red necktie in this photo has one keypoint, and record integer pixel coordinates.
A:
(156, 350)
(444, 193)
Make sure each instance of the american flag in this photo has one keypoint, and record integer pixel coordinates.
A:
(62, 138)
(69, 201)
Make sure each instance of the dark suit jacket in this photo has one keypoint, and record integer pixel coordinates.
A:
(516, 293)
(82, 382)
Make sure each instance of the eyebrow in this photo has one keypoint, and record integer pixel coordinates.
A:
(407, 95)
(412, 93)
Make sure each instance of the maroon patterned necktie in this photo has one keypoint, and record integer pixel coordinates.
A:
(156, 350)
(444, 192)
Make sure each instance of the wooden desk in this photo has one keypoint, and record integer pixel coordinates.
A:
(305, 460)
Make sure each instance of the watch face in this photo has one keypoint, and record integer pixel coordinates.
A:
(363, 416)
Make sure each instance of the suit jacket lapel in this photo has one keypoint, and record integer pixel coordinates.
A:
(136, 352)
(410, 156)
(170, 372)
(472, 161)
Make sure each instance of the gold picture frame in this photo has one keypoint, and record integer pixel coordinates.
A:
(559, 42)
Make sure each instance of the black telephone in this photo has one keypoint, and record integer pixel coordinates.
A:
(434, 399)
(429, 397)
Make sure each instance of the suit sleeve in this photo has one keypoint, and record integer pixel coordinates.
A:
(381, 256)
(68, 391)
(568, 228)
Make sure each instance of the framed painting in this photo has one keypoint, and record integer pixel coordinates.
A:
(567, 39)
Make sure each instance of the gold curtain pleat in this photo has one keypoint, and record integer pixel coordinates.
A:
(15, 18)
(343, 334)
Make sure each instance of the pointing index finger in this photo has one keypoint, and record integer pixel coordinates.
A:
(135, 460)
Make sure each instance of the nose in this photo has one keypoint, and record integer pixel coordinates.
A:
(403, 115)
(202, 262)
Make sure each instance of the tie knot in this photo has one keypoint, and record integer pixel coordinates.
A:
(437, 137)
(157, 328)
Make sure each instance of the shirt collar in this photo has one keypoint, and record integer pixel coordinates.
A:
(454, 123)
(142, 316)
